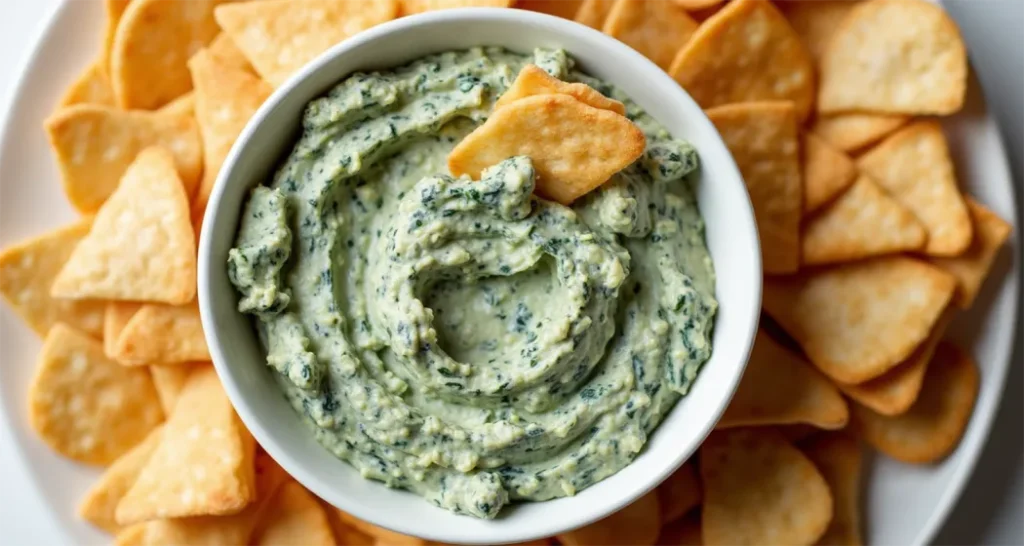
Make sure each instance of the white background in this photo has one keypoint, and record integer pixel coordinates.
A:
(991, 510)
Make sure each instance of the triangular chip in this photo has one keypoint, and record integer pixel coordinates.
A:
(207, 451)
(100, 502)
(27, 270)
(637, 524)
(532, 80)
(226, 97)
(295, 518)
(914, 167)
(185, 105)
(971, 267)
(838, 458)
(163, 333)
(95, 145)
(827, 172)
(573, 147)
(655, 29)
(816, 21)
(679, 493)
(217, 530)
(682, 532)
(759, 489)
(141, 246)
(762, 137)
(566, 9)
(860, 223)
(116, 316)
(780, 388)
(279, 36)
(859, 320)
(154, 40)
(932, 427)
(380, 534)
(746, 52)
(593, 13)
(410, 7)
(895, 56)
(113, 10)
(170, 379)
(895, 391)
(852, 132)
(226, 53)
(79, 398)
(91, 87)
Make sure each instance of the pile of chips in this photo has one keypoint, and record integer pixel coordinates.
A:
(869, 249)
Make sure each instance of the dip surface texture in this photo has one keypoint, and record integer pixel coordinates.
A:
(463, 339)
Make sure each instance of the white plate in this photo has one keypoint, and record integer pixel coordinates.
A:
(904, 505)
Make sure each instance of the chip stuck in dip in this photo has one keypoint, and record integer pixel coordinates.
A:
(467, 339)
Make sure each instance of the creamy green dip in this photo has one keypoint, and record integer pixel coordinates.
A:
(463, 339)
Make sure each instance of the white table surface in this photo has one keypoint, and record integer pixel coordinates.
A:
(991, 510)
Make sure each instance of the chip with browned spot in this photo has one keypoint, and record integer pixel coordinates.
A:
(655, 29)
(100, 502)
(972, 267)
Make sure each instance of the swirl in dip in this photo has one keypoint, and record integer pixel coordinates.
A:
(463, 339)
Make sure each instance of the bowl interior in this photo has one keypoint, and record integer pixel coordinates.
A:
(731, 238)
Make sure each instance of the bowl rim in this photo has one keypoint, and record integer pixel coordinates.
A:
(282, 454)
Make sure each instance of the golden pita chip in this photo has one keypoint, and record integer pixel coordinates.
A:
(762, 137)
(637, 524)
(894, 56)
(694, 5)
(219, 530)
(827, 172)
(163, 333)
(116, 316)
(744, 53)
(759, 489)
(91, 87)
(838, 457)
(816, 21)
(185, 105)
(226, 53)
(345, 534)
(852, 132)
(574, 147)
(680, 493)
(295, 518)
(170, 379)
(95, 145)
(895, 391)
(27, 270)
(932, 427)
(780, 388)
(410, 7)
(860, 223)
(971, 268)
(859, 320)
(593, 13)
(79, 398)
(207, 450)
(226, 97)
(533, 81)
(278, 36)
(682, 532)
(154, 40)
(100, 502)
(113, 11)
(914, 167)
(380, 534)
(655, 29)
(566, 9)
(141, 245)
(133, 535)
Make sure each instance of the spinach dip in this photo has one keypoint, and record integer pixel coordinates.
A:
(466, 340)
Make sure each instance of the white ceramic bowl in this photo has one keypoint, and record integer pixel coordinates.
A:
(270, 135)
